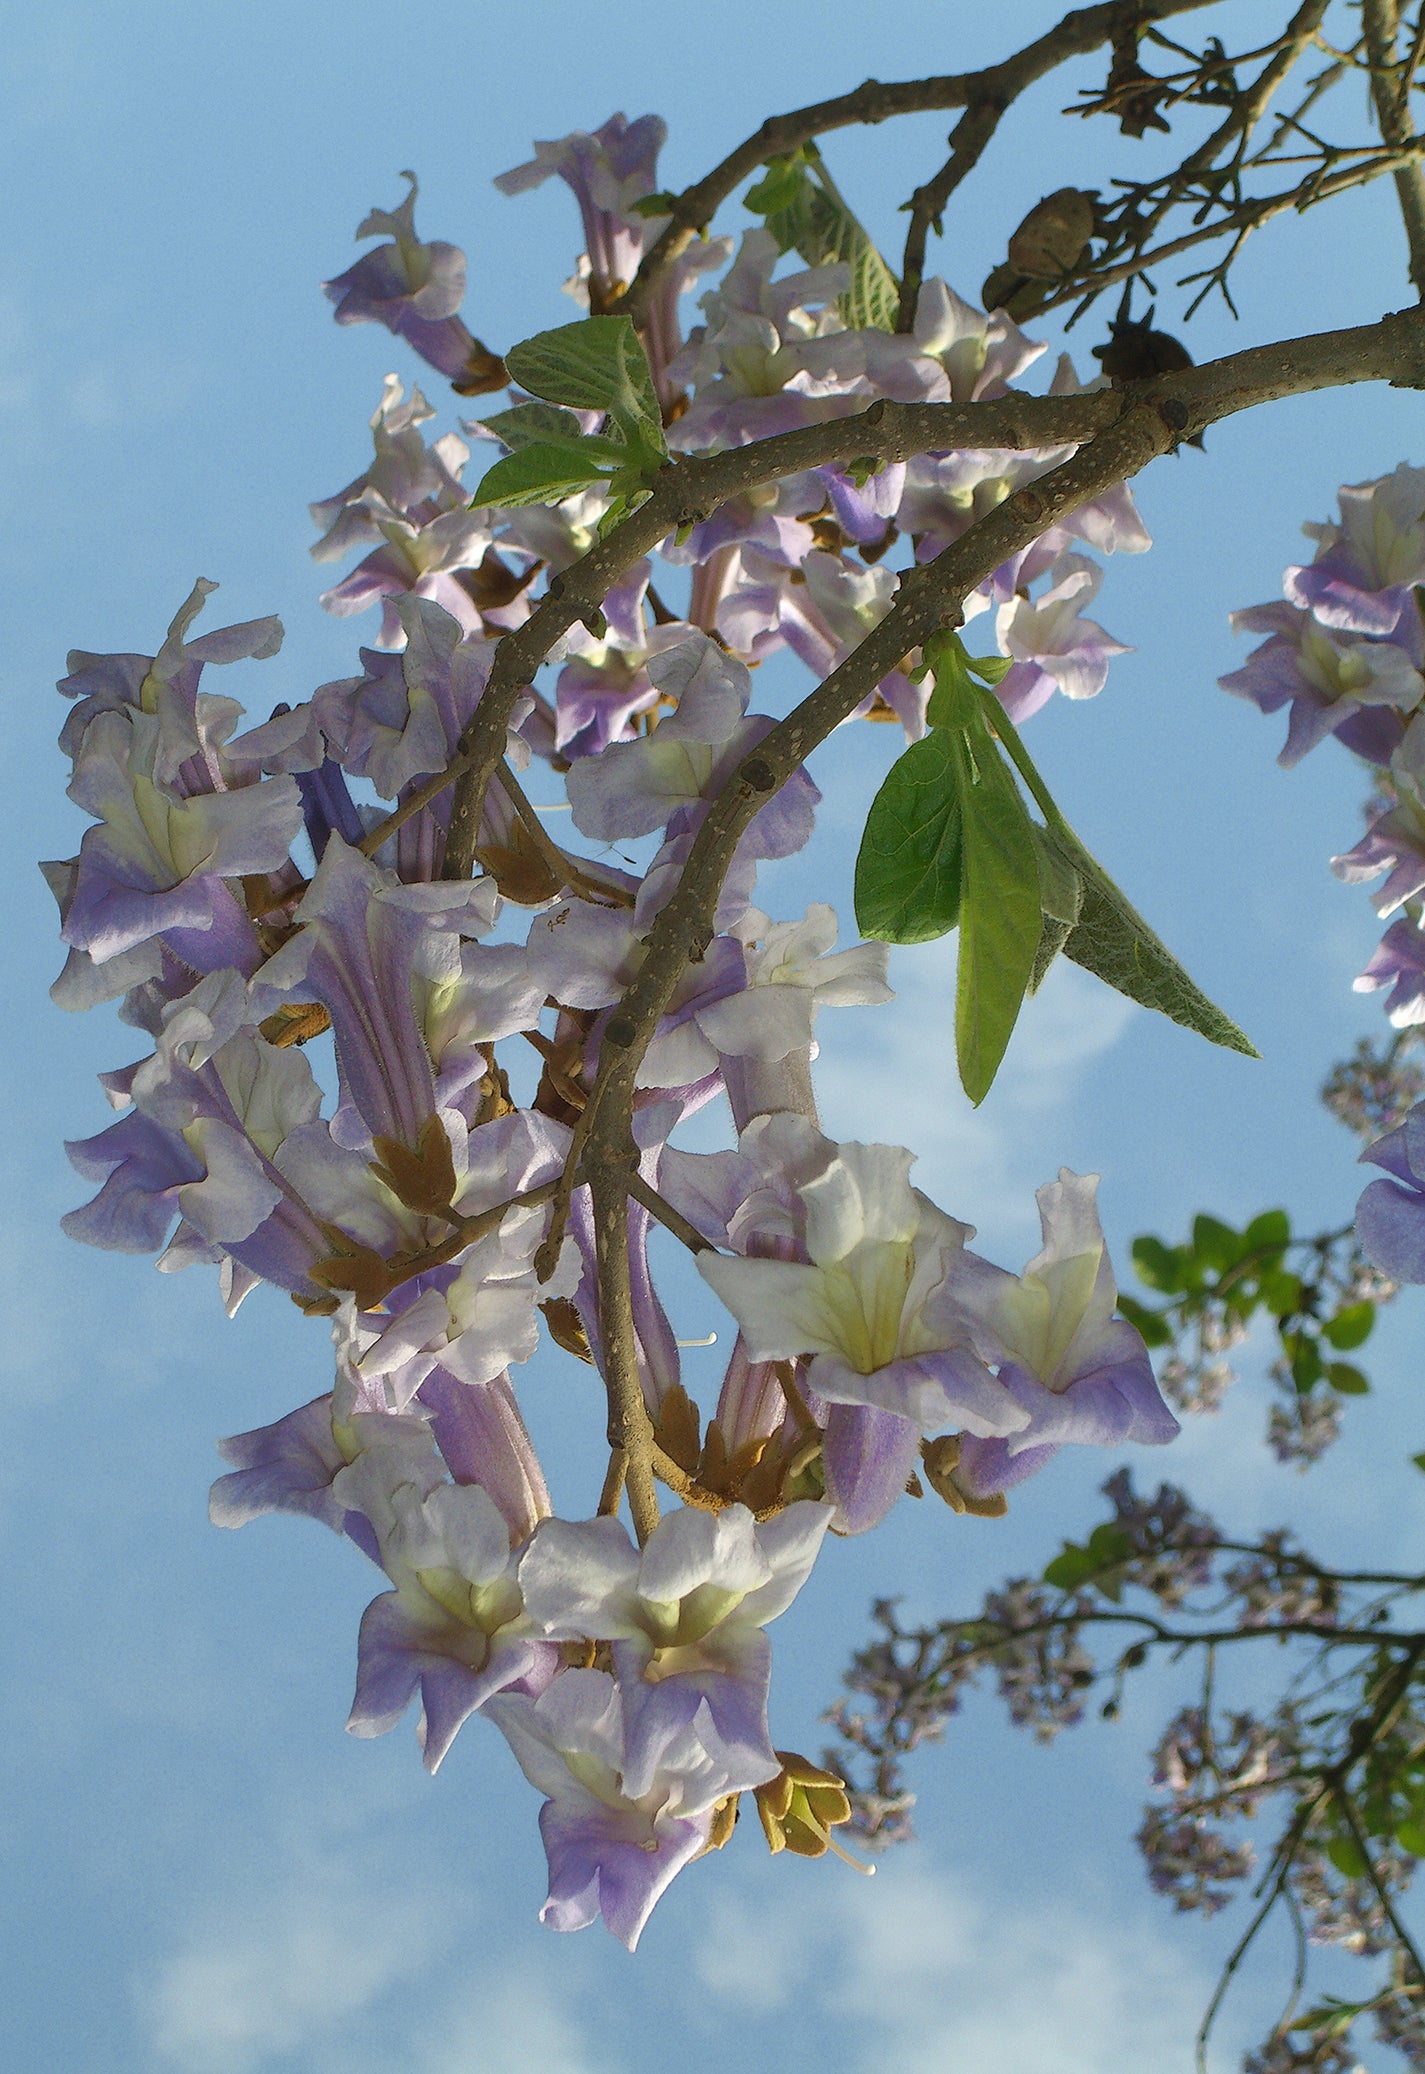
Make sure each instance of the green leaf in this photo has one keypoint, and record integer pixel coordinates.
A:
(660, 204)
(1347, 1380)
(990, 668)
(538, 475)
(1281, 1292)
(1351, 1327)
(1347, 1857)
(598, 364)
(1419, 1461)
(873, 301)
(1069, 1568)
(1000, 918)
(1159, 1266)
(956, 700)
(1108, 1545)
(1061, 893)
(534, 423)
(1410, 1834)
(1216, 1244)
(807, 214)
(908, 869)
(1152, 1325)
(1270, 1228)
(779, 187)
(1112, 941)
(1303, 1352)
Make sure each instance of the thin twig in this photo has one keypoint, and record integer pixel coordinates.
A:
(968, 140)
(672, 1220)
(1083, 30)
(1381, 21)
(630, 1428)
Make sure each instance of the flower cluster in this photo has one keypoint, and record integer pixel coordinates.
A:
(327, 1106)
(1346, 656)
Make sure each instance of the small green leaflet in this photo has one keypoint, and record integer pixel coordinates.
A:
(807, 214)
(598, 364)
(1110, 938)
(1061, 897)
(908, 868)
(530, 424)
(539, 474)
(949, 842)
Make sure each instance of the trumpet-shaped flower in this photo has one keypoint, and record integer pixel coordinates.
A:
(453, 1627)
(878, 1304)
(611, 1852)
(685, 1616)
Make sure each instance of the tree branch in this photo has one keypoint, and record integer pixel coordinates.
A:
(1153, 419)
(686, 492)
(630, 1429)
(968, 141)
(1083, 30)
(1381, 21)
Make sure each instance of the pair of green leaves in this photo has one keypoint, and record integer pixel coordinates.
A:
(598, 365)
(949, 843)
(807, 214)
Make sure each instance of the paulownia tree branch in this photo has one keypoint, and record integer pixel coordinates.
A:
(1083, 30)
(1153, 419)
(1381, 21)
(686, 492)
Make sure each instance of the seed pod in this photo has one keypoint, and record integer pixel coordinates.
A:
(1054, 235)
(1135, 352)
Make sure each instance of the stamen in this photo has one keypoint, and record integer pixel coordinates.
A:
(856, 1864)
(709, 1341)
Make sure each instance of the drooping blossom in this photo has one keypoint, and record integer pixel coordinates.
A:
(686, 1616)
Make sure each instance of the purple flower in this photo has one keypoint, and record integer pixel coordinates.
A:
(454, 1627)
(1390, 1216)
(609, 1853)
(1054, 649)
(685, 1615)
(1333, 683)
(1398, 963)
(362, 939)
(414, 289)
(878, 1303)
(607, 170)
(1079, 1374)
(1365, 568)
(1395, 840)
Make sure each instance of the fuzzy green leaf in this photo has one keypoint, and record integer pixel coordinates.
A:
(598, 364)
(538, 475)
(1111, 940)
(1351, 1327)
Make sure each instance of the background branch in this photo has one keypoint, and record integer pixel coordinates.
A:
(1381, 20)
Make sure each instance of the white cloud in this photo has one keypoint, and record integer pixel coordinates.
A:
(282, 1974)
(517, 2026)
(895, 1081)
(930, 1978)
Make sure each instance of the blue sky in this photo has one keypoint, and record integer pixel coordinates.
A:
(199, 1873)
